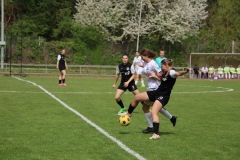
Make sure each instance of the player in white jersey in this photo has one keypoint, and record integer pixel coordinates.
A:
(138, 64)
(150, 70)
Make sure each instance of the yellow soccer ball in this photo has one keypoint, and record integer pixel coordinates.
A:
(124, 120)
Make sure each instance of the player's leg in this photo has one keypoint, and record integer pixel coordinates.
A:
(137, 98)
(63, 77)
(60, 78)
(118, 94)
(142, 81)
(140, 70)
(157, 105)
(137, 78)
(148, 116)
(167, 114)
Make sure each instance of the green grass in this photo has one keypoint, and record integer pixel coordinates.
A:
(36, 126)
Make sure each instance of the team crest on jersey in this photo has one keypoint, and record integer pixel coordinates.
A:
(127, 68)
(160, 98)
(133, 87)
(164, 79)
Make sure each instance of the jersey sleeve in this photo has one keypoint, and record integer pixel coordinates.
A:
(172, 74)
(117, 70)
(132, 69)
(58, 57)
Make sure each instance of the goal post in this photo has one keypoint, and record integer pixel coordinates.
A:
(214, 59)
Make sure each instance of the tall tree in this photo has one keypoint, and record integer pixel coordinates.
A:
(222, 26)
(173, 20)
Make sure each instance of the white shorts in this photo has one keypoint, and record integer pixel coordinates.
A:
(149, 103)
(139, 70)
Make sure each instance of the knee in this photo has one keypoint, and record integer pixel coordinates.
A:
(145, 109)
(117, 98)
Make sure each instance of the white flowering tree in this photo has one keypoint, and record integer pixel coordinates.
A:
(173, 20)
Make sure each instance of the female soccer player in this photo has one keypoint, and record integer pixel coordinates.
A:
(138, 63)
(150, 70)
(160, 58)
(62, 66)
(160, 96)
(127, 71)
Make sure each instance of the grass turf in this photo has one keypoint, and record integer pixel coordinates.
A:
(36, 126)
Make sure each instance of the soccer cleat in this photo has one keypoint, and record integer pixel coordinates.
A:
(148, 130)
(155, 136)
(173, 120)
(64, 84)
(60, 84)
(121, 110)
(142, 85)
(125, 113)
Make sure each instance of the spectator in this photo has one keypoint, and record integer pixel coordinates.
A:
(232, 71)
(238, 71)
(204, 73)
(196, 71)
(211, 72)
(220, 71)
(226, 72)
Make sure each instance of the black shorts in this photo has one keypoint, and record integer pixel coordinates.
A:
(155, 95)
(62, 68)
(131, 86)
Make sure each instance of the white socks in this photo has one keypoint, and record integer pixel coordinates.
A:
(149, 119)
(166, 113)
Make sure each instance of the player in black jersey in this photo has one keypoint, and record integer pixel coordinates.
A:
(127, 81)
(160, 96)
(62, 66)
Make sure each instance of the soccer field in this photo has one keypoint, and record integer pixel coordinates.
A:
(41, 120)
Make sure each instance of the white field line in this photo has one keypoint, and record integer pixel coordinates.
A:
(221, 89)
(119, 143)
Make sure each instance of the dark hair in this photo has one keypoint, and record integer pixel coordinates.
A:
(168, 62)
(162, 49)
(124, 55)
(147, 52)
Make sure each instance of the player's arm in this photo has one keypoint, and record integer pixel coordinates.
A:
(115, 81)
(158, 72)
(129, 80)
(57, 64)
(58, 59)
(66, 65)
(116, 77)
(180, 73)
(141, 65)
